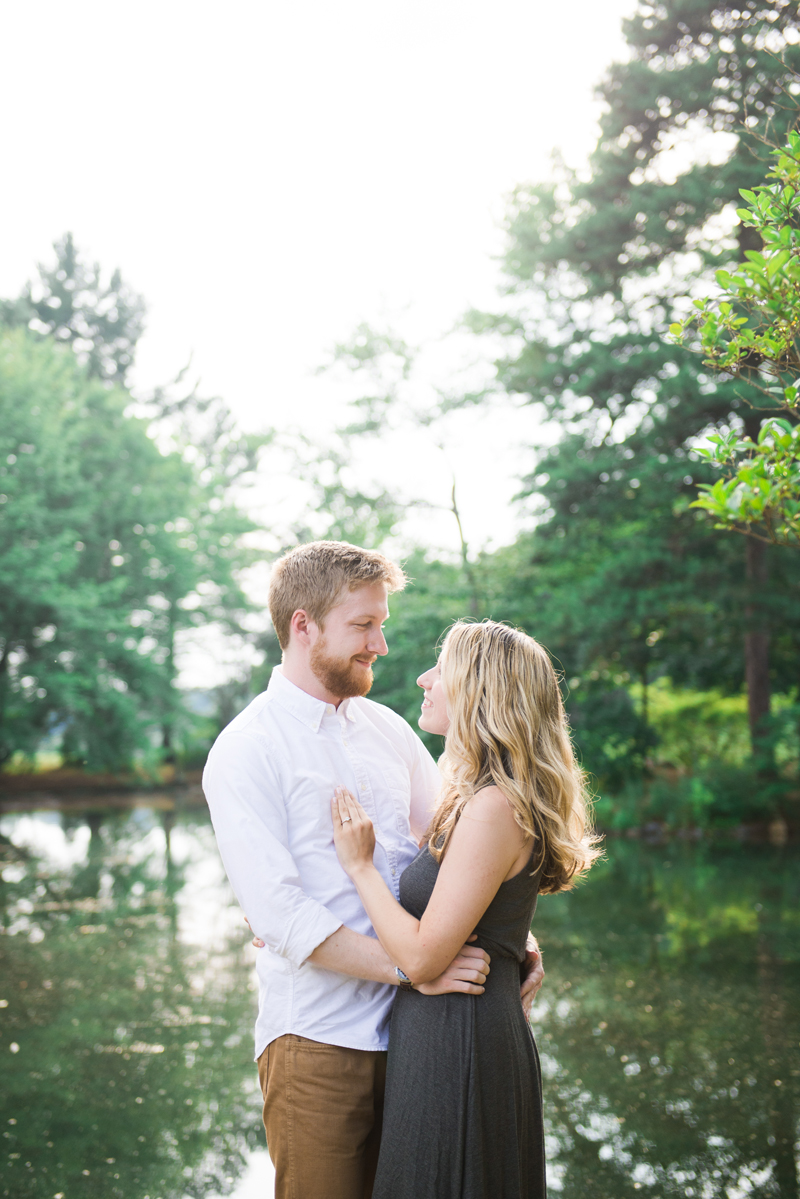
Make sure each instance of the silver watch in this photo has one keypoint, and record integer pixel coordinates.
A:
(404, 982)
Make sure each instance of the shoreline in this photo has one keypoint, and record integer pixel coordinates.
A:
(78, 794)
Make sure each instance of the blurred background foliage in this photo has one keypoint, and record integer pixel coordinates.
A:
(123, 518)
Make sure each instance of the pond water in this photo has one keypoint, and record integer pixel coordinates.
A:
(669, 1024)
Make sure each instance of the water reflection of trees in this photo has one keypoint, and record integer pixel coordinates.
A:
(128, 1069)
(671, 1023)
(669, 1028)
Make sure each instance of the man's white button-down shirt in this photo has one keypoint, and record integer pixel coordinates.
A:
(269, 781)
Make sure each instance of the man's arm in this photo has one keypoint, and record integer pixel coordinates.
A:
(244, 794)
(364, 957)
(249, 817)
(352, 953)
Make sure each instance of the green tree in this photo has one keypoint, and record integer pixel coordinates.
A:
(750, 331)
(101, 321)
(115, 546)
(107, 546)
(598, 264)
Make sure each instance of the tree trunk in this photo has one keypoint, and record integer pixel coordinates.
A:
(469, 573)
(756, 644)
(167, 725)
(5, 748)
(756, 638)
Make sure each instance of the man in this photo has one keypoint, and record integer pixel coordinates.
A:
(325, 983)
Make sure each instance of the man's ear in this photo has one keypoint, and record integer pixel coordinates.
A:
(301, 625)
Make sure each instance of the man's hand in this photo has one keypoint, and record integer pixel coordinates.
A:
(259, 944)
(466, 973)
(534, 976)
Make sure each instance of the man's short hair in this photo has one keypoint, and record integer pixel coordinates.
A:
(315, 577)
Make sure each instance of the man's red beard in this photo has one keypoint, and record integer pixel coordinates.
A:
(339, 676)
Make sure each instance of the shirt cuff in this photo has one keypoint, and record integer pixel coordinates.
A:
(311, 925)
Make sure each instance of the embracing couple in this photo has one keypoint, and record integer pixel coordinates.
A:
(321, 800)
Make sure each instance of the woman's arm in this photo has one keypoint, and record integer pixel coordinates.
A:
(348, 952)
(485, 844)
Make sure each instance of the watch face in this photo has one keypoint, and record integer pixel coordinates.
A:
(405, 982)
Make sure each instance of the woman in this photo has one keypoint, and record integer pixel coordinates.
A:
(463, 1113)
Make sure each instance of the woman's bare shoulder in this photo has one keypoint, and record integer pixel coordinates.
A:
(490, 805)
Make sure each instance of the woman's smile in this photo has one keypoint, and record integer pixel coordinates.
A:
(433, 715)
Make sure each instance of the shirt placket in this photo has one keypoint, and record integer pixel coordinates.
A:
(367, 799)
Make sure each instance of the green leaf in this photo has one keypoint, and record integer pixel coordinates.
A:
(776, 262)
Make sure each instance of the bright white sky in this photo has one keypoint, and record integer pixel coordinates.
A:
(269, 174)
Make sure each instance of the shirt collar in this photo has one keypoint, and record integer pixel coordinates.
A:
(300, 704)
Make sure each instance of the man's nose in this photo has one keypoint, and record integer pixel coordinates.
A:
(377, 644)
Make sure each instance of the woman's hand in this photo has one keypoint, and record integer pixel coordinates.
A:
(353, 834)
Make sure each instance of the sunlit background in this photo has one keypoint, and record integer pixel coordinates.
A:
(333, 215)
(271, 177)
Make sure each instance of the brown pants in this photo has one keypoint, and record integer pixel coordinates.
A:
(323, 1109)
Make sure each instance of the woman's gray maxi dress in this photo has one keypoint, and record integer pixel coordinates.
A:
(463, 1111)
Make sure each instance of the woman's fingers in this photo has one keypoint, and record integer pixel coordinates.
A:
(347, 800)
(468, 969)
(355, 809)
(349, 806)
(472, 976)
(468, 988)
(474, 959)
(341, 807)
(338, 809)
(357, 806)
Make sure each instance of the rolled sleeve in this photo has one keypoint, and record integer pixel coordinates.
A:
(248, 812)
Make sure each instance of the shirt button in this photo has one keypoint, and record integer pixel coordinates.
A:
(363, 786)
(394, 872)
(330, 709)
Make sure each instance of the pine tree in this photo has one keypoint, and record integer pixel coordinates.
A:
(101, 321)
(598, 266)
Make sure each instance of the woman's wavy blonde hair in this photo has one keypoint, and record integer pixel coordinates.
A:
(508, 729)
